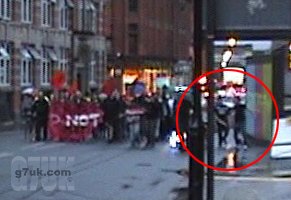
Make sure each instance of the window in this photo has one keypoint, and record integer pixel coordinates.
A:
(63, 63)
(65, 7)
(46, 12)
(5, 63)
(64, 16)
(26, 10)
(133, 44)
(133, 5)
(133, 39)
(5, 9)
(103, 66)
(26, 71)
(46, 67)
(26, 67)
(93, 65)
(87, 19)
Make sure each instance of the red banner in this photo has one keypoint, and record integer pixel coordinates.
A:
(70, 121)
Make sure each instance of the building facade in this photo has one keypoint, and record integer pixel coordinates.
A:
(38, 37)
(146, 37)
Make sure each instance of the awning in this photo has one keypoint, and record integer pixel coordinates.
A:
(4, 53)
(34, 53)
(53, 1)
(25, 53)
(69, 3)
(52, 54)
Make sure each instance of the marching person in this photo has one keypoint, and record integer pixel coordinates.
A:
(157, 100)
(150, 121)
(221, 115)
(134, 112)
(26, 113)
(40, 110)
(113, 111)
(239, 129)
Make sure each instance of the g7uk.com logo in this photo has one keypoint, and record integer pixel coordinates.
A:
(48, 173)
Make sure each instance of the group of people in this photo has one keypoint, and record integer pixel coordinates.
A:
(141, 119)
(137, 118)
(230, 113)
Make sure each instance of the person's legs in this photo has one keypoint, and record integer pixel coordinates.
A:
(37, 130)
(157, 128)
(44, 126)
(220, 134)
(151, 134)
(132, 133)
(225, 134)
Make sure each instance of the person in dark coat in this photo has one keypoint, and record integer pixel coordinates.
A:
(113, 110)
(240, 117)
(186, 110)
(221, 114)
(150, 120)
(40, 109)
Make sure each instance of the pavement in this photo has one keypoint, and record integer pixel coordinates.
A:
(114, 172)
(266, 180)
(101, 171)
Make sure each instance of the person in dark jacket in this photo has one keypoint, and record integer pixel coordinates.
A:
(40, 109)
(113, 110)
(150, 120)
(221, 114)
(157, 101)
(239, 129)
(186, 110)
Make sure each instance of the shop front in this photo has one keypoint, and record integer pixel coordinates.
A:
(153, 74)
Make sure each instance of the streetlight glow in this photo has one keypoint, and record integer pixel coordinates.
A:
(232, 42)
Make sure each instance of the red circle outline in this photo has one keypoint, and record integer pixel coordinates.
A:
(227, 169)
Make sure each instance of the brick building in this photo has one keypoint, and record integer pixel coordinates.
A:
(146, 37)
(38, 37)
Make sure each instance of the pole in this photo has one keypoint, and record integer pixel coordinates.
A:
(211, 120)
(196, 136)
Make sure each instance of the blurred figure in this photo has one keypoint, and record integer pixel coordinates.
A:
(113, 111)
(26, 113)
(157, 101)
(40, 109)
(149, 125)
(134, 113)
(168, 104)
(221, 115)
(239, 129)
(186, 110)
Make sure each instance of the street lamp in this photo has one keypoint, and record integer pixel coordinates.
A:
(232, 42)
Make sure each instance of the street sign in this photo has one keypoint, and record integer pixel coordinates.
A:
(253, 15)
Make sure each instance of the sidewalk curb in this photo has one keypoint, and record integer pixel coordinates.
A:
(9, 126)
(275, 174)
(281, 173)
